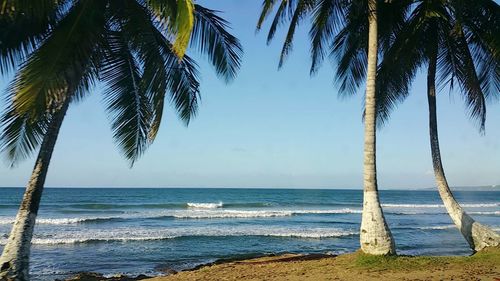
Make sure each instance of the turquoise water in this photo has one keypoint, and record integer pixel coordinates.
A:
(141, 231)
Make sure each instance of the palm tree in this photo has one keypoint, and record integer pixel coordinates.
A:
(65, 47)
(458, 42)
(375, 236)
(332, 29)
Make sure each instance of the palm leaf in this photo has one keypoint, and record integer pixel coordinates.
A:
(178, 17)
(283, 14)
(210, 37)
(267, 8)
(401, 61)
(67, 58)
(481, 24)
(162, 72)
(125, 99)
(20, 135)
(23, 26)
(327, 17)
(301, 9)
(465, 72)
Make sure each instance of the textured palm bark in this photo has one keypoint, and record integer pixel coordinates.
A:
(477, 235)
(14, 262)
(375, 236)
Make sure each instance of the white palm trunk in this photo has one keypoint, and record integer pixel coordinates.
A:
(477, 235)
(14, 262)
(375, 236)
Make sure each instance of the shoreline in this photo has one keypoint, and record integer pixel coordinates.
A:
(351, 266)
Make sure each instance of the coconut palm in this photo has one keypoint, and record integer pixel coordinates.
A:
(135, 48)
(457, 41)
(338, 27)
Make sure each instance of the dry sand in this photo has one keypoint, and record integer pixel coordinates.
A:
(354, 266)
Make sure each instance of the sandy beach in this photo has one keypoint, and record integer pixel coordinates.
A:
(353, 266)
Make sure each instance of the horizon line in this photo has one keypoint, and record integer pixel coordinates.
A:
(225, 187)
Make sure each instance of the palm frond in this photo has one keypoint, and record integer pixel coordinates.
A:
(394, 15)
(267, 8)
(465, 72)
(210, 37)
(21, 135)
(401, 61)
(163, 73)
(33, 9)
(185, 89)
(183, 25)
(349, 49)
(302, 8)
(327, 17)
(178, 17)
(456, 64)
(23, 26)
(283, 14)
(66, 60)
(481, 25)
(126, 102)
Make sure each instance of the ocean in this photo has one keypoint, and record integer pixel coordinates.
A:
(145, 231)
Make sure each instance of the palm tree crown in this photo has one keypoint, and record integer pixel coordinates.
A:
(134, 47)
(460, 37)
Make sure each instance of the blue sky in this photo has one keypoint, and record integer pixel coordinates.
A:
(271, 128)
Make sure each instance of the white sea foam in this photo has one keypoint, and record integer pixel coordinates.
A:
(230, 214)
(48, 241)
(64, 221)
(53, 221)
(485, 205)
(205, 205)
(207, 213)
(437, 227)
(133, 234)
(256, 214)
(496, 213)
(188, 214)
(334, 211)
(412, 205)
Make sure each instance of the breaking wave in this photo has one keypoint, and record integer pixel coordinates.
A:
(485, 205)
(199, 213)
(131, 235)
(205, 205)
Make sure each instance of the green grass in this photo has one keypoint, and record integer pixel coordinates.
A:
(364, 261)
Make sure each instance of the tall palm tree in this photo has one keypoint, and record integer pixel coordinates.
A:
(65, 47)
(375, 236)
(332, 23)
(458, 42)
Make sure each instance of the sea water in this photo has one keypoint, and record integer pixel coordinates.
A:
(145, 230)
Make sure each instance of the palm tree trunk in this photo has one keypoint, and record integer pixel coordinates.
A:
(375, 236)
(477, 235)
(14, 262)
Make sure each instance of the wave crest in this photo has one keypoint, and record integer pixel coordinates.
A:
(481, 205)
(205, 205)
(131, 235)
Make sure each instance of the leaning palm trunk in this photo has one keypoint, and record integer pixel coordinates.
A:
(375, 236)
(477, 235)
(14, 262)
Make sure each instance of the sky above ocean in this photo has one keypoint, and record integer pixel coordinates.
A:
(271, 128)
